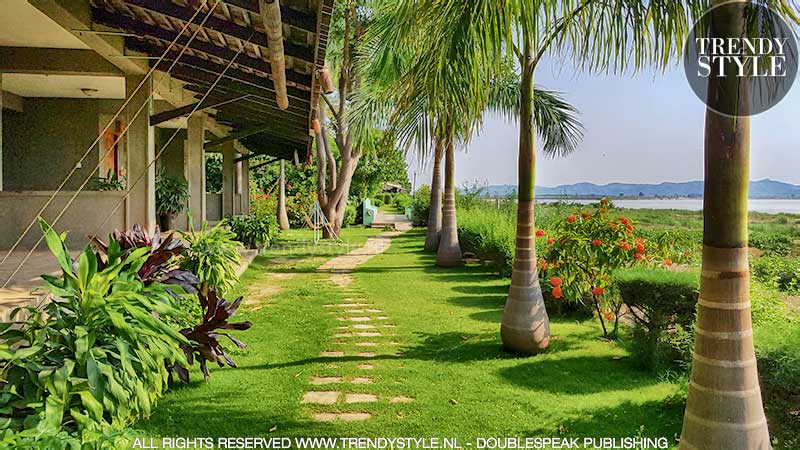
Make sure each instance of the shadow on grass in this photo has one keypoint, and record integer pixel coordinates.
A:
(650, 419)
(479, 301)
(206, 418)
(578, 375)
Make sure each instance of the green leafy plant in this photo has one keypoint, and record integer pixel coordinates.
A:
(172, 192)
(94, 358)
(161, 264)
(781, 273)
(111, 182)
(212, 255)
(663, 304)
(254, 230)
(772, 243)
(421, 205)
(350, 215)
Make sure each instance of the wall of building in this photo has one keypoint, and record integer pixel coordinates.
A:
(17, 209)
(45, 141)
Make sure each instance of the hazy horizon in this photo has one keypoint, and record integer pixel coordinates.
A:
(654, 134)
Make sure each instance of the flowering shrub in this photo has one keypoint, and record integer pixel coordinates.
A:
(584, 250)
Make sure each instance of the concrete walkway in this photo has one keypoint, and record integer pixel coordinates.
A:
(365, 332)
(374, 246)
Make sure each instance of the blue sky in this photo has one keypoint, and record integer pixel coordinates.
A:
(646, 128)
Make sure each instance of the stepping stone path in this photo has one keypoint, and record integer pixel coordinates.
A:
(358, 319)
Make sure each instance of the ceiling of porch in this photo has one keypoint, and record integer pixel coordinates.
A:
(234, 26)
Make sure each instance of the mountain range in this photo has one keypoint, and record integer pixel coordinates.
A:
(765, 188)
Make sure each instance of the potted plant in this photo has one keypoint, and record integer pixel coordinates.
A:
(172, 192)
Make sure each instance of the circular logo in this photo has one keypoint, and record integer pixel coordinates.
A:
(741, 58)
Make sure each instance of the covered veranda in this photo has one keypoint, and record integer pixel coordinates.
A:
(142, 88)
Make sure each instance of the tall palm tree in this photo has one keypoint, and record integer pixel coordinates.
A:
(420, 88)
(449, 252)
(435, 210)
(724, 406)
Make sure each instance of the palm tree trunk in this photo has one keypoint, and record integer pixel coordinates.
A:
(525, 327)
(283, 219)
(724, 408)
(435, 214)
(449, 252)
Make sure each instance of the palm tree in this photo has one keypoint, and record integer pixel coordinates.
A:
(435, 212)
(724, 406)
(420, 89)
(449, 252)
(283, 218)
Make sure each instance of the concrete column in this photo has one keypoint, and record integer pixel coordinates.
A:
(228, 180)
(245, 165)
(140, 205)
(1, 131)
(283, 219)
(196, 167)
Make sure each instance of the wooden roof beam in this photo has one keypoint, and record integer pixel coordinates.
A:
(231, 29)
(271, 16)
(165, 116)
(164, 37)
(75, 15)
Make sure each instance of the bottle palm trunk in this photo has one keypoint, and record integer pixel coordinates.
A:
(525, 327)
(283, 218)
(435, 213)
(724, 409)
(449, 252)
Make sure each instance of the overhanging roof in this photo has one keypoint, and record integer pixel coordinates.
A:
(235, 25)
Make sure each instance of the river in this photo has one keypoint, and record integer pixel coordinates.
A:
(769, 206)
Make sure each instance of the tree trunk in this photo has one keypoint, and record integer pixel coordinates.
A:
(449, 252)
(283, 219)
(525, 327)
(435, 214)
(724, 408)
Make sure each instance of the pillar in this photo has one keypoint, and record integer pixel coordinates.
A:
(1, 131)
(140, 204)
(228, 180)
(245, 167)
(196, 166)
(283, 219)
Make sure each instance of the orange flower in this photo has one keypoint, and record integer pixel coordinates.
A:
(555, 281)
(638, 256)
(609, 316)
(572, 218)
(598, 291)
(625, 220)
(686, 253)
(597, 242)
(639, 247)
(614, 227)
(604, 201)
(601, 211)
(539, 233)
(586, 215)
(667, 262)
(624, 245)
(550, 241)
(557, 293)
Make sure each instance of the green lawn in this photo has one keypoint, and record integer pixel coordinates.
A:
(444, 352)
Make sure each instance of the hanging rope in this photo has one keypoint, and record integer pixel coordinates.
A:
(108, 125)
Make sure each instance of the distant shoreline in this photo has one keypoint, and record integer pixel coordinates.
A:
(625, 197)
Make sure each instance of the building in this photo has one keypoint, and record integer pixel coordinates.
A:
(142, 86)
